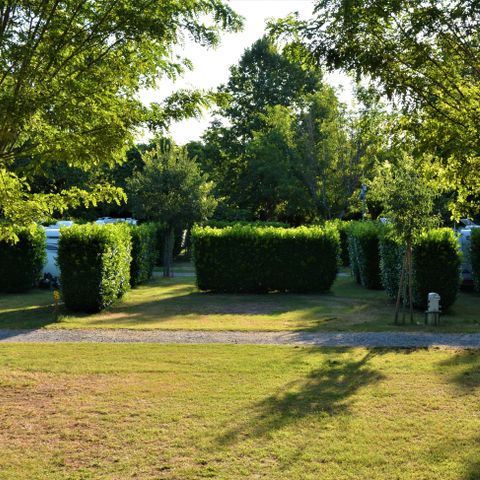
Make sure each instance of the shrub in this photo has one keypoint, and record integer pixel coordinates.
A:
(391, 259)
(144, 253)
(352, 253)
(21, 263)
(94, 263)
(261, 259)
(257, 223)
(342, 227)
(475, 257)
(363, 238)
(436, 265)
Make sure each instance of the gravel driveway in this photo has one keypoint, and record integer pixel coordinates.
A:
(326, 339)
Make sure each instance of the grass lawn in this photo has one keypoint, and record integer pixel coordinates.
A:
(233, 412)
(176, 304)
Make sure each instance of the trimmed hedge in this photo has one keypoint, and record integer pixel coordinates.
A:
(257, 223)
(21, 263)
(144, 253)
(262, 259)
(94, 263)
(436, 265)
(475, 257)
(363, 248)
(353, 255)
(342, 227)
(391, 259)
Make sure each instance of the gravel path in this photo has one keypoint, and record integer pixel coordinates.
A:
(326, 339)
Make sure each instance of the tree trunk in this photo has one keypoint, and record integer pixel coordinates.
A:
(405, 288)
(410, 277)
(168, 241)
(400, 288)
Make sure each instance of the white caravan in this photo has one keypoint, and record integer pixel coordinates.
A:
(464, 236)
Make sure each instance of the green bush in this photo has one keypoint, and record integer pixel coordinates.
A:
(363, 247)
(144, 253)
(94, 263)
(342, 227)
(21, 263)
(436, 266)
(261, 259)
(258, 223)
(475, 257)
(391, 259)
(352, 253)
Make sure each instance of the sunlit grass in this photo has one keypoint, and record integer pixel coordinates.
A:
(177, 304)
(189, 412)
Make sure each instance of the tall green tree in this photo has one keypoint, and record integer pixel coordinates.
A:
(270, 185)
(322, 147)
(70, 72)
(407, 195)
(263, 78)
(425, 55)
(172, 190)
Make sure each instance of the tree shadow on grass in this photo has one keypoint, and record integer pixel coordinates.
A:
(462, 370)
(160, 300)
(466, 367)
(34, 310)
(324, 392)
(148, 308)
(473, 472)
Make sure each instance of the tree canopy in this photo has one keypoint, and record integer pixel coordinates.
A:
(172, 190)
(424, 55)
(284, 148)
(264, 77)
(70, 73)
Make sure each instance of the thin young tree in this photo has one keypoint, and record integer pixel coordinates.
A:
(170, 189)
(407, 195)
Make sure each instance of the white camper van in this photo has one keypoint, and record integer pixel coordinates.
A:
(53, 234)
(106, 220)
(464, 236)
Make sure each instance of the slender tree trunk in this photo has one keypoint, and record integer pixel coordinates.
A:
(400, 288)
(410, 277)
(168, 240)
(405, 289)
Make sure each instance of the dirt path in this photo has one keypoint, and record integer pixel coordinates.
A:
(327, 339)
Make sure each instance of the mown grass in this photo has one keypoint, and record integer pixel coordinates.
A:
(232, 412)
(176, 304)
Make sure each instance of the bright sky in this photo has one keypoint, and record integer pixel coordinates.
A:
(211, 66)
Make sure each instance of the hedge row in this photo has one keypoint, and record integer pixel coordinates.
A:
(22, 262)
(94, 263)
(391, 260)
(436, 263)
(436, 266)
(475, 257)
(342, 227)
(257, 223)
(363, 250)
(144, 253)
(262, 259)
